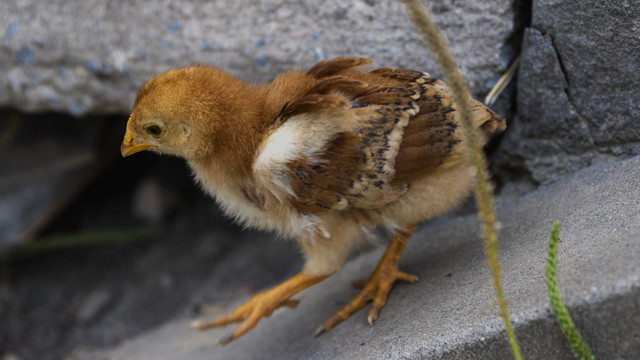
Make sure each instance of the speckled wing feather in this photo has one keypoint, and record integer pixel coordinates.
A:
(356, 167)
(398, 124)
(433, 137)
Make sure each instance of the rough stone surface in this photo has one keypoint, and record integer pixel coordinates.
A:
(92, 56)
(451, 313)
(577, 89)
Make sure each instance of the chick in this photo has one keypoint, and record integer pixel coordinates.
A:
(319, 156)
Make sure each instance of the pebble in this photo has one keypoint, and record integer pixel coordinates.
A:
(93, 304)
(152, 201)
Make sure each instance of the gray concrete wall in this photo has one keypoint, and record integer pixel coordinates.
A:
(92, 56)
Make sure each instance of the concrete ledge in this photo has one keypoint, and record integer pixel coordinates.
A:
(451, 312)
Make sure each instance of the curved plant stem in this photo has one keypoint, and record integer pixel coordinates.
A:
(579, 347)
(422, 19)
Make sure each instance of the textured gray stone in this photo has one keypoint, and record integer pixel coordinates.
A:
(92, 56)
(577, 88)
(451, 313)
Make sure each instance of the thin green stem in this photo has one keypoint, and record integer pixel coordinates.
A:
(579, 347)
(75, 240)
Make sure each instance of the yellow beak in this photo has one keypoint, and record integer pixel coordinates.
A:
(129, 145)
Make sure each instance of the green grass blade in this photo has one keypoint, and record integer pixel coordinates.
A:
(76, 240)
(579, 347)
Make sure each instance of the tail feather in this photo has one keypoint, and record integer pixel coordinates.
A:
(486, 120)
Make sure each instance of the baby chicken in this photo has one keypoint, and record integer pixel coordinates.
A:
(318, 156)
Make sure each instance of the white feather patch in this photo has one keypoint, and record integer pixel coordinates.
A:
(301, 135)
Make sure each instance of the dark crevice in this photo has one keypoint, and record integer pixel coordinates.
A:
(521, 20)
(504, 173)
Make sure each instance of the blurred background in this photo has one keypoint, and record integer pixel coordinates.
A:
(95, 249)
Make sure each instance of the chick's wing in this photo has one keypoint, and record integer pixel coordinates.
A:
(356, 139)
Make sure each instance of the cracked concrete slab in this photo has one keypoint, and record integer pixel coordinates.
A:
(549, 134)
(451, 313)
(577, 100)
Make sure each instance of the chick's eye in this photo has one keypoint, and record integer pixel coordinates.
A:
(154, 130)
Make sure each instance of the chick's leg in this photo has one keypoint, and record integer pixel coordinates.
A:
(261, 305)
(379, 284)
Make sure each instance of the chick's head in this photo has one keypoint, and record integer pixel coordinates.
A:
(181, 112)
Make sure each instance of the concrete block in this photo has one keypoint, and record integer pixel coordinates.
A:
(577, 98)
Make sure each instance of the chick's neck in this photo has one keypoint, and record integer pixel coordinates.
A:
(249, 112)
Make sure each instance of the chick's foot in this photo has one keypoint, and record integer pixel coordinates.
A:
(260, 306)
(379, 284)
